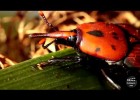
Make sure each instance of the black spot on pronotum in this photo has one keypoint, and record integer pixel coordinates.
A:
(97, 49)
(113, 47)
(115, 35)
(96, 33)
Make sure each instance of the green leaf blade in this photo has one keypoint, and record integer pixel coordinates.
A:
(24, 76)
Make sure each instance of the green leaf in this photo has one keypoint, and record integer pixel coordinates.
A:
(25, 76)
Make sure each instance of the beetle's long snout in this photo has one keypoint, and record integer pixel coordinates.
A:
(57, 34)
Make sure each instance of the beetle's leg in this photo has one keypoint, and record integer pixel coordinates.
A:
(116, 86)
(133, 57)
(46, 46)
(117, 76)
(74, 59)
(60, 61)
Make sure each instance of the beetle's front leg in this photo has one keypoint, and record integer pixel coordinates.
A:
(61, 61)
(74, 59)
(43, 43)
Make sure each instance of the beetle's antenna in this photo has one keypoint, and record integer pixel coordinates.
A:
(46, 21)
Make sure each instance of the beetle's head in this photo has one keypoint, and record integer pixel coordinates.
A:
(70, 38)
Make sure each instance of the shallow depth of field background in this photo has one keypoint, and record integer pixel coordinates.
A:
(16, 46)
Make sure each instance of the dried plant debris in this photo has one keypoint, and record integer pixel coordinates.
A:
(5, 62)
(17, 46)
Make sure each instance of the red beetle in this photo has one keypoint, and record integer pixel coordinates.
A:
(105, 41)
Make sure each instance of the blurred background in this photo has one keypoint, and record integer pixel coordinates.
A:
(16, 46)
